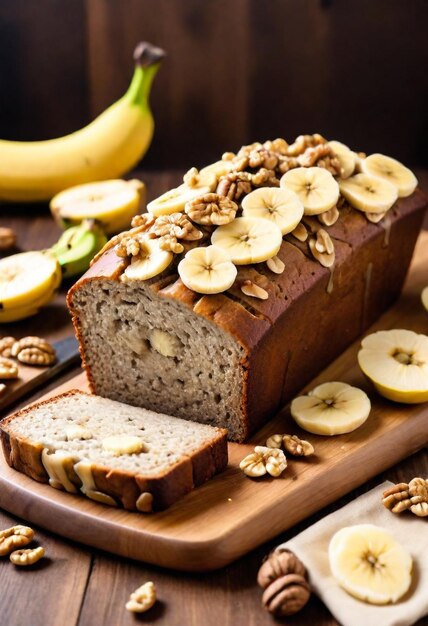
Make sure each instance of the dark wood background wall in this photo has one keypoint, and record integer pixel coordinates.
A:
(237, 71)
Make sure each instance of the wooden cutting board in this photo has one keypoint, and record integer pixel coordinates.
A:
(232, 514)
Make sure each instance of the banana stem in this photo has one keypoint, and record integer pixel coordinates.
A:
(147, 62)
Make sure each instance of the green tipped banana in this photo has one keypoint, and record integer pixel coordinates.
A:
(77, 246)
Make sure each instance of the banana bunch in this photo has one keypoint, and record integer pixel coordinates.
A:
(108, 147)
(77, 246)
(28, 281)
(369, 564)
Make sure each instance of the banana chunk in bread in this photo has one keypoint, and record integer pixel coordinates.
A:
(113, 453)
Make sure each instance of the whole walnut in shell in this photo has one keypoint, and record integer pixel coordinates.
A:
(284, 580)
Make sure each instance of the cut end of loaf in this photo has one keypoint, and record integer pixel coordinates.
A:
(150, 351)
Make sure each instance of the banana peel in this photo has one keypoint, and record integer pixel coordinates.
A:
(77, 246)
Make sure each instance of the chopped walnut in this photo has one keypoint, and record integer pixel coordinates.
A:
(234, 185)
(6, 344)
(264, 461)
(251, 289)
(296, 446)
(143, 221)
(8, 369)
(142, 599)
(13, 542)
(228, 156)
(322, 248)
(311, 156)
(292, 444)
(277, 145)
(211, 209)
(263, 158)
(129, 246)
(321, 155)
(34, 351)
(27, 557)
(245, 150)
(265, 178)
(332, 165)
(302, 142)
(287, 163)
(176, 225)
(329, 217)
(191, 178)
(412, 496)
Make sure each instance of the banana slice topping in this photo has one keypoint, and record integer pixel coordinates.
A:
(392, 171)
(331, 409)
(150, 261)
(173, 201)
(368, 193)
(347, 158)
(207, 270)
(316, 188)
(281, 206)
(248, 240)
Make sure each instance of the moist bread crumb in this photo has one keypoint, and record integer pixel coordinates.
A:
(175, 455)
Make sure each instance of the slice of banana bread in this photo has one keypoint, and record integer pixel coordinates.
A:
(112, 453)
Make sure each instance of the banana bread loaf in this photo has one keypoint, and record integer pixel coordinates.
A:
(229, 341)
(112, 453)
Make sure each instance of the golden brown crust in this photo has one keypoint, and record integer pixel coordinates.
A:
(301, 327)
(124, 487)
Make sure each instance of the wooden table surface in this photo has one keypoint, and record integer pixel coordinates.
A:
(76, 585)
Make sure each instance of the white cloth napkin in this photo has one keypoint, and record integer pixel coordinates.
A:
(311, 546)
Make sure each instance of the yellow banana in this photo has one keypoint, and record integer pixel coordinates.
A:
(107, 148)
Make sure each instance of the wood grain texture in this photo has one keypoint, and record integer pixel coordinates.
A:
(236, 71)
(61, 576)
(225, 518)
(43, 86)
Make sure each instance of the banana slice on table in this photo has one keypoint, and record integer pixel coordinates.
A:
(370, 564)
(331, 409)
(392, 171)
(424, 297)
(368, 193)
(396, 361)
(315, 187)
(173, 201)
(281, 206)
(207, 270)
(27, 276)
(112, 202)
(248, 240)
(150, 262)
(347, 158)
